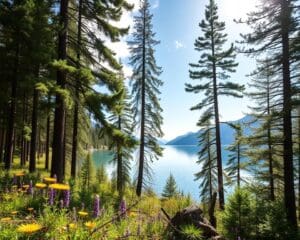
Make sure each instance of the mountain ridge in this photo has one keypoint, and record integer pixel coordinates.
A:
(227, 134)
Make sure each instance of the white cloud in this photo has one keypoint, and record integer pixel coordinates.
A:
(178, 44)
(155, 5)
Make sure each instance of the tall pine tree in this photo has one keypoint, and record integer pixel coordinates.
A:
(214, 65)
(273, 26)
(145, 91)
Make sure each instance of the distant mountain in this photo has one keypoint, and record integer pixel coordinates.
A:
(227, 134)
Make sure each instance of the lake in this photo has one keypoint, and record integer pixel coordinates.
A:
(178, 160)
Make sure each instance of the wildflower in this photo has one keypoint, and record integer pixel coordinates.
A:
(82, 214)
(51, 196)
(90, 225)
(29, 228)
(96, 206)
(123, 207)
(40, 185)
(72, 226)
(30, 188)
(49, 180)
(6, 219)
(14, 212)
(66, 198)
(19, 174)
(59, 186)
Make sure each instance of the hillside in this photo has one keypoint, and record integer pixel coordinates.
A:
(227, 134)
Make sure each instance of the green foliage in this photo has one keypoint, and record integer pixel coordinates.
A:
(191, 232)
(170, 189)
(207, 159)
(236, 162)
(239, 214)
(87, 173)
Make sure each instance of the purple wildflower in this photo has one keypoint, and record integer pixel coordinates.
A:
(239, 238)
(51, 196)
(96, 206)
(61, 203)
(30, 189)
(66, 198)
(123, 207)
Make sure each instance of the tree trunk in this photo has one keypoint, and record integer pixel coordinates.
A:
(47, 138)
(23, 139)
(217, 126)
(142, 133)
(33, 141)
(120, 177)
(76, 107)
(289, 191)
(9, 145)
(59, 115)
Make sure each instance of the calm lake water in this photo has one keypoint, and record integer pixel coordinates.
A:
(178, 160)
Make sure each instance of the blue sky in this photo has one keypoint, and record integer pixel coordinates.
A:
(176, 25)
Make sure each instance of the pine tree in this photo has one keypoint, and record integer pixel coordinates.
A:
(124, 147)
(145, 84)
(170, 189)
(235, 161)
(273, 26)
(266, 138)
(213, 66)
(207, 158)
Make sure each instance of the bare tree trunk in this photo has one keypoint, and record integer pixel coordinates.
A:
(47, 138)
(76, 107)
(60, 111)
(289, 191)
(33, 142)
(9, 145)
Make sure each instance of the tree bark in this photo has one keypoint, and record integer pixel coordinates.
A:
(47, 138)
(59, 115)
(33, 141)
(217, 126)
(77, 85)
(142, 133)
(289, 191)
(9, 145)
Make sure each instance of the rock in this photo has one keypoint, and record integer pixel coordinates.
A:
(191, 215)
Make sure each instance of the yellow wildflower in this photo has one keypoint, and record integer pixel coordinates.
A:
(49, 180)
(6, 219)
(19, 174)
(14, 212)
(25, 186)
(40, 185)
(29, 228)
(82, 214)
(59, 186)
(90, 224)
(72, 226)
